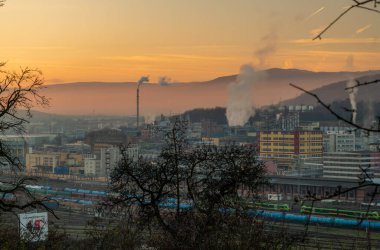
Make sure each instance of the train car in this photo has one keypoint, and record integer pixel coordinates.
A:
(182, 206)
(100, 193)
(84, 191)
(36, 190)
(269, 206)
(52, 204)
(94, 196)
(7, 197)
(323, 220)
(340, 212)
(76, 194)
(70, 190)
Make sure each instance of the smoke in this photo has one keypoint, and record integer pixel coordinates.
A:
(239, 105)
(143, 79)
(164, 80)
(350, 66)
(149, 119)
(352, 96)
(270, 46)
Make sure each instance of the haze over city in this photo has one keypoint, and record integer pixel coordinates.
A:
(174, 124)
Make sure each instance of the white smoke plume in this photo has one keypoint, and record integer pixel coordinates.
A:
(239, 105)
(350, 65)
(269, 47)
(352, 96)
(164, 80)
(150, 118)
(143, 79)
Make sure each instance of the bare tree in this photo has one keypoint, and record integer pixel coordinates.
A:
(198, 195)
(19, 92)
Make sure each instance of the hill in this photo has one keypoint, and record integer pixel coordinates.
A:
(336, 92)
(99, 98)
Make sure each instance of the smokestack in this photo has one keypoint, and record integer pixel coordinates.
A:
(352, 96)
(141, 81)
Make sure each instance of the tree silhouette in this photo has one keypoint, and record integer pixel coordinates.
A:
(19, 92)
(193, 193)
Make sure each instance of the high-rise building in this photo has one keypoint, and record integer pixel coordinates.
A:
(358, 165)
(91, 165)
(106, 159)
(339, 142)
(287, 147)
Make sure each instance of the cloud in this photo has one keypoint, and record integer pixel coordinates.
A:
(288, 64)
(353, 41)
(167, 57)
(362, 29)
(315, 12)
(315, 32)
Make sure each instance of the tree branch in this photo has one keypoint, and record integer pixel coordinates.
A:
(358, 4)
(339, 117)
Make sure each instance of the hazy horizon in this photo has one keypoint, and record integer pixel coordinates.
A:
(119, 41)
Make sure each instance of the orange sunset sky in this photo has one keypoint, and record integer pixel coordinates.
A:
(186, 40)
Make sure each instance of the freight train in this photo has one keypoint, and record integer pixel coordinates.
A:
(323, 216)
(340, 212)
(67, 192)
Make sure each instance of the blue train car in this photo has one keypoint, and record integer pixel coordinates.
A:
(84, 191)
(101, 193)
(70, 190)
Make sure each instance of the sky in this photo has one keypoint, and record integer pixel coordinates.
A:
(185, 40)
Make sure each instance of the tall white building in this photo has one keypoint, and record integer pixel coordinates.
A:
(351, 165)
(101, 165)
(91, 165)
(339, 142)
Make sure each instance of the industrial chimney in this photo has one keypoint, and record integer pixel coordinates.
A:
(141, 81)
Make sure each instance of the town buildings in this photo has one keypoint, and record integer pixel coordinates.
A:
(360, 165)
(287, 147)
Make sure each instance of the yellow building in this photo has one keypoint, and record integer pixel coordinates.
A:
(47, 161)
(44, 162)
(211, 140)
(285, 147)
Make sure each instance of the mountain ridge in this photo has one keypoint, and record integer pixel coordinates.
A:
(118, 98)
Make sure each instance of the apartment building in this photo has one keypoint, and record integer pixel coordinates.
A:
(351, 165)
(339, 142)
(285, 148)
(42, 161)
